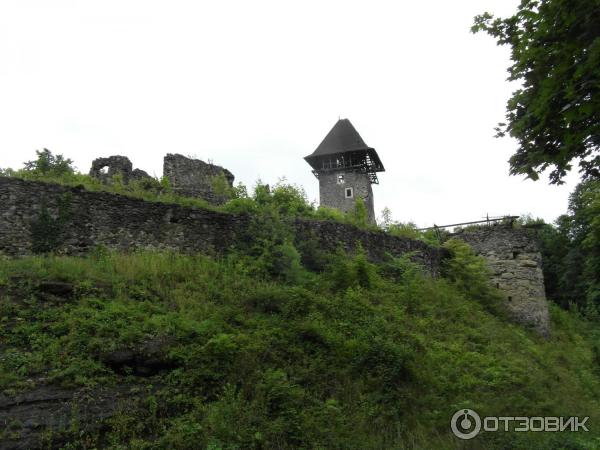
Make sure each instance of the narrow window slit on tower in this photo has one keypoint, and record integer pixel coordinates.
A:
(340, 178)
(349, 193)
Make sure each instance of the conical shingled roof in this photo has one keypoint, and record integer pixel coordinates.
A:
(342, 138)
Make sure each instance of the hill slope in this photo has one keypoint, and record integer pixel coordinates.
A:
(160, 350)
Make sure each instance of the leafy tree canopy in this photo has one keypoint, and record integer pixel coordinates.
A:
(571, 251)
(555, 115)
(48, 164)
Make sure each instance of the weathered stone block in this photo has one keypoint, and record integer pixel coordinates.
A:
(195, 178)
(518, 272)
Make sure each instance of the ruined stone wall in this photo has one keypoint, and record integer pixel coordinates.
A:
(331, 235)
(85, 219)
(194, 178)
(104, 169)
(333, 193)
(514, 257)
(82, 220)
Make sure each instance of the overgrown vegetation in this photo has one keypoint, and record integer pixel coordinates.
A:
(356, 356)
(571, 251)
(283, 198)
(282, 345)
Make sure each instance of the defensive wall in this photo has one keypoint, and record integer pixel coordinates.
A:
(514, 258)
(71, 220)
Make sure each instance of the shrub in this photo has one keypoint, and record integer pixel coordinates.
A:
(360, 216)
(345, 272)
(49, 165)
(406, 230)
(469, 272)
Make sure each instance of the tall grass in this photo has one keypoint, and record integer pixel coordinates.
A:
(356, 356)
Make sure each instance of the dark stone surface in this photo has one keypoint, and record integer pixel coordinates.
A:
(514, 258)
(110, 220)
(59, 289)
(139, 174)
(126, 223)
(28, 417)
(194, 178)
(332, 192)
(147, 359)
(376, 244)
(116, 164)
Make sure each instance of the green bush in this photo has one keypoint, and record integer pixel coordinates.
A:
(345, 272)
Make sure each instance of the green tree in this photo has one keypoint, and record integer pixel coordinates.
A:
(571, 251)
(360, 215)
(581, 275)
(386, 218)
(555, 115)
(49, 165)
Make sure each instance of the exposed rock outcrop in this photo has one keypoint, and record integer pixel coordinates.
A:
(146, 359)
(39, 417)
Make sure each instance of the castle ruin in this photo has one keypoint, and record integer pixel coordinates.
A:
(345, 167)
(105, 170)
(195, 178)
(514, 258)
(188, 177)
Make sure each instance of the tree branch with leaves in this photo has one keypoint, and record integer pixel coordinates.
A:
(555, 115)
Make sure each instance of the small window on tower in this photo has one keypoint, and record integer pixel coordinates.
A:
(349, 193)
(340, 178)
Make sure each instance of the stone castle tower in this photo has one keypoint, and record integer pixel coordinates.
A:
(346, 168)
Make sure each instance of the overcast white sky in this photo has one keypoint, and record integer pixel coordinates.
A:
(256, 85)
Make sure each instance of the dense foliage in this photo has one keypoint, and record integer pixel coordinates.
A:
(555, 114)
(356, 356)
(571, 251)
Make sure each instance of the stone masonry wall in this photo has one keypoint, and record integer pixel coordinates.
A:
(116, 165)
(88, 219)
(332, 193)
(514, 257)
(113, 221)
(193, 177)
(331, 235)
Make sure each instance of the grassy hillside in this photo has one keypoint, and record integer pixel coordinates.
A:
(226, 355)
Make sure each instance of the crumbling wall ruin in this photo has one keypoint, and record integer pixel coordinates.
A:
(77, 221)
(514, 257)
(104, 169)
(195, 178)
